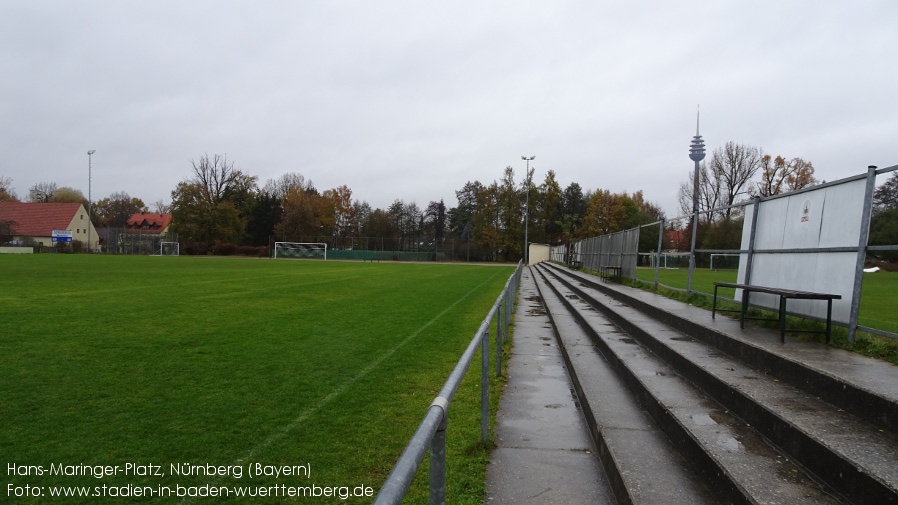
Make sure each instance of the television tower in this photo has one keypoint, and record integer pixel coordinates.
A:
(696, 154)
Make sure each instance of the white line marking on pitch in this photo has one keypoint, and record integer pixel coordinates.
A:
(340, 389)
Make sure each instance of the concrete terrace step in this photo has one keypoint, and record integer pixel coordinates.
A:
(864, 386)
(642, 465)
(855, 457)
(729, 455)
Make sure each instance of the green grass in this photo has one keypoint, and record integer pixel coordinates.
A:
(111, 360)
(879, 297)
(703, 279)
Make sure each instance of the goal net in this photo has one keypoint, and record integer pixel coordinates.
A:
(665, 260)
(724, 261)
(169, 249)
(316, 250)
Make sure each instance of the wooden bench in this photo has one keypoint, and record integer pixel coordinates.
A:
(613, 270)
(784, 295)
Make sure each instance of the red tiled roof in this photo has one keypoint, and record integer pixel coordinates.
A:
(38, 219)
(156, 222)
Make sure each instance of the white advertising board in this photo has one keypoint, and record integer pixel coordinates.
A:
(828, 217)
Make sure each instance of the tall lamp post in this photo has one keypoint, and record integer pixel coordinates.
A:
(527, 209)
(89, 225)
(696, 154)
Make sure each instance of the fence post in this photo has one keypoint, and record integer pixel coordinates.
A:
(692, 249)
(658, 255)
(499, 340)
(751, 241)
(484, 384)
(509, 303)
(438, 457)
(861, 253)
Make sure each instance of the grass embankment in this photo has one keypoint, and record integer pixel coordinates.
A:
(879, 297)
(233, 363)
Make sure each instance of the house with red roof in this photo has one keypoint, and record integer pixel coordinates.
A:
(34, 223)
(155, 224)
(143, 233)
(677, 240)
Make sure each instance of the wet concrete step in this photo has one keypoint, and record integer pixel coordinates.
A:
(544, 452)
(855, 457)
(864, 386)
(642, 465)
(738, 465)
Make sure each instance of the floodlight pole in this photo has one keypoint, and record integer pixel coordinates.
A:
(90, 153)
(696, 154)
(527, 209)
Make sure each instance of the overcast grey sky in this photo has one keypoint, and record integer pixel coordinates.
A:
(409, 100)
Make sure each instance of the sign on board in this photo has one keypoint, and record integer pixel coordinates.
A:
(61, 236)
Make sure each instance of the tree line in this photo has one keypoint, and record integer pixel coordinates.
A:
(219, 203)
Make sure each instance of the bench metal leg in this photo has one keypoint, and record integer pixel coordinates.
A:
(782, 319)
(829, 318)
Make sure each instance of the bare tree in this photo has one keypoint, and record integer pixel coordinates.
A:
(41, 192)
(160, 207)
(218, 178)
(709, 193)
(734, 165)
(214, 204)
(723, 180)
(780, 176)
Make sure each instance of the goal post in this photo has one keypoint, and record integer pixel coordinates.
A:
(313, 250)
(668, 260)
(724, 260)
(169, 249)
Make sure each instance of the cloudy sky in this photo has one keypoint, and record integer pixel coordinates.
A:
(410, 99)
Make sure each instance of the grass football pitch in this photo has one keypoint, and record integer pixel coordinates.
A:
(131, 378)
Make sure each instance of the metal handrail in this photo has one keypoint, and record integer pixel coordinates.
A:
(431, 433)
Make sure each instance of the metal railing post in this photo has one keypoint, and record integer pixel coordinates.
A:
(485, 384)
(749, 259)
(692, 257)
(658, 255)
(861, 253)
(438, 457)
(507, 303)
(499, 341)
